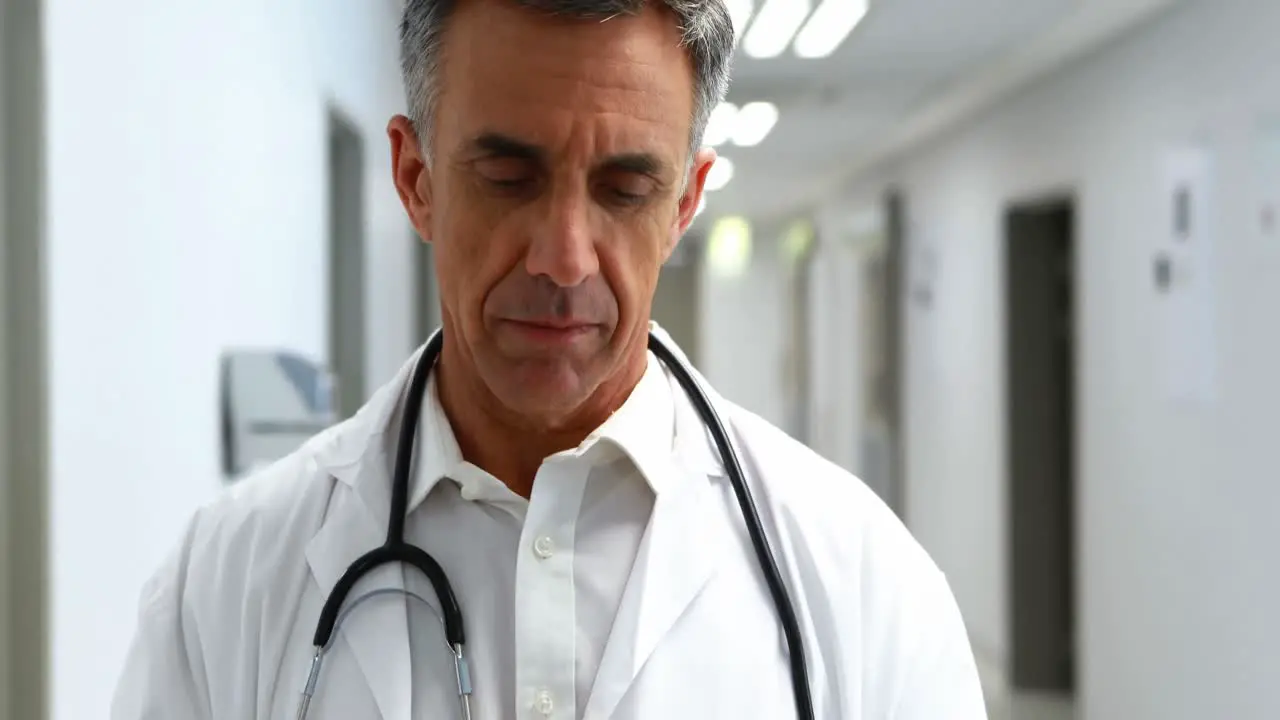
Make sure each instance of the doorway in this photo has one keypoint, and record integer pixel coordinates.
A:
(24, 479)
(346, 263)
(877, 238)
(1041, 424)
(871, 303)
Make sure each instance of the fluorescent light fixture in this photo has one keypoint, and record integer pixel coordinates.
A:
(775, 25)
(720, 125)
(729, 247)
(829, 25)
(740, 13)
(719, 175)
(754, 121)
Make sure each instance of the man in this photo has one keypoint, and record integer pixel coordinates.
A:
(562, 479)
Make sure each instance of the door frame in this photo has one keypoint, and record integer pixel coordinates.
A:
(347, 282)
(24, 477)
(896, 302)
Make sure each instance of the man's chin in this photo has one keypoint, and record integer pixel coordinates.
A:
(549, 391)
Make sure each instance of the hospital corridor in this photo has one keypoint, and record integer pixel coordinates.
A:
(1014, 265)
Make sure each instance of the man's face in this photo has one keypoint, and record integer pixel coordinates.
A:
(559, 184)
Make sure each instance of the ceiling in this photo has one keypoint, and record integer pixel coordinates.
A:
(910, 69)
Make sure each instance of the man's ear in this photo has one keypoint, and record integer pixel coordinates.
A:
(411, 174)
(692, 196)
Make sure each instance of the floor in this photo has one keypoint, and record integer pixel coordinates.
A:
(1005, 704)
(1025, 706)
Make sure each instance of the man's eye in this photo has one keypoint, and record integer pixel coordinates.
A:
(625, 196)
(505, 172)
(630, 190)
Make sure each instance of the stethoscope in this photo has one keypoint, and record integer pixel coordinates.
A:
(395, 549)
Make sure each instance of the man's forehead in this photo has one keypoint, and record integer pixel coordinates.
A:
(527, 71)
(649, 33)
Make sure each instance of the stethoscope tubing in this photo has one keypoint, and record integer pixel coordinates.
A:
(395, 549)
(755, 528)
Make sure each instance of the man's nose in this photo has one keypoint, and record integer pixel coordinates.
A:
(563, 245)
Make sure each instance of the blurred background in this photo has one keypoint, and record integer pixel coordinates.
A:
(1015, 263)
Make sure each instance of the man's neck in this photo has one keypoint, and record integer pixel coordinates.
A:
(508, 446)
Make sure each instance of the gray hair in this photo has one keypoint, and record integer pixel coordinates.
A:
(705, 26)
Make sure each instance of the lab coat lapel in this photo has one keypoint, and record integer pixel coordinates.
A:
(378, 632)
(678, 556)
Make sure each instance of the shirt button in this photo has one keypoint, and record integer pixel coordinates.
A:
(544, 547)
(543, 703)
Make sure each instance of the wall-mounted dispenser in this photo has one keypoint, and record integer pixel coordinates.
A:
(272, 402)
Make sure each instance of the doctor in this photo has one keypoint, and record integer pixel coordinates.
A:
(561, 478)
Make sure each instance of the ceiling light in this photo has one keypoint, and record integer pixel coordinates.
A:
(753, 122)
(729, 247)
(720, 125)
(829, 25)
(775, 25)
(719, 175)
(740, 13)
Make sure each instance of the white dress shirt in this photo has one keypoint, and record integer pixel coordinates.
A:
(539, 581)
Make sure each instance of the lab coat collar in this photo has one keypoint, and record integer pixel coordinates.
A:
(378, 633)
(694, 445)
(358, 453)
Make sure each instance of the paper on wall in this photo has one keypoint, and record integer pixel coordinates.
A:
(1187, 291)
(1267, 182)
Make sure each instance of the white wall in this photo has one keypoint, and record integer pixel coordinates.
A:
(834, 394)
(742, 349)
(186, 214)
(1179, 578)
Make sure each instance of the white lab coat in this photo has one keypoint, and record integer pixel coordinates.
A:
(226, 625)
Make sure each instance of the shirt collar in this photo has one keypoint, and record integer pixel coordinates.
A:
(642, 430)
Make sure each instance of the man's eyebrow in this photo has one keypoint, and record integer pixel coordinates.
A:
(638, 163)
(498, 145)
